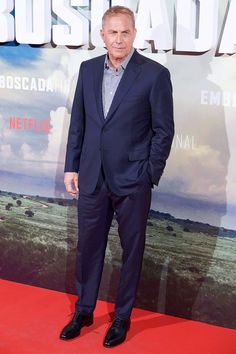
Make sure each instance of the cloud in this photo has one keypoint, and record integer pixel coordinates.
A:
(1, 127)
(198, 173)
(5, 152)
(57, 136)
(44, 66)
(32, 160)
(26, 152)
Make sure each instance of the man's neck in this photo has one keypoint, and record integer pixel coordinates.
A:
(115, 63)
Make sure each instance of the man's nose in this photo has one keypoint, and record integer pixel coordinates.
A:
(118, 38)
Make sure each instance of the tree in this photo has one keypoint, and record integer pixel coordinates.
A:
(18, 202)
(9, 206)
(29, 213)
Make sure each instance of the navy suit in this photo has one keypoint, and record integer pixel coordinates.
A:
(118, 159)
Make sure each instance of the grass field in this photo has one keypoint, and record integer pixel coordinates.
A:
(189, 270)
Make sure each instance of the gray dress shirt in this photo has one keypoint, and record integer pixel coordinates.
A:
(111, 79)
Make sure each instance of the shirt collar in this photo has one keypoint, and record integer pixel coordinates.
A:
(124, 63)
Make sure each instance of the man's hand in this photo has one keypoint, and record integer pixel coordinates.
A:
(71, 182)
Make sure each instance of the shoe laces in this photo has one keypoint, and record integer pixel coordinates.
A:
(117, 322)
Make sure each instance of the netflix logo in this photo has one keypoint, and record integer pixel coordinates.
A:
(38, 126)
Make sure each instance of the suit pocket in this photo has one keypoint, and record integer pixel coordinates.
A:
(139, 154)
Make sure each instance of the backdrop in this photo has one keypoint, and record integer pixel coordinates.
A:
(189, 268)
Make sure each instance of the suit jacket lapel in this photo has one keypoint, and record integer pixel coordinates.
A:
(98, 78)
(131, 73)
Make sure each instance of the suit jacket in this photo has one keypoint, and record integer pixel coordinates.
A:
(134, 140)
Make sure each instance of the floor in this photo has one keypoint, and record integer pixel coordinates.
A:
(31, 319)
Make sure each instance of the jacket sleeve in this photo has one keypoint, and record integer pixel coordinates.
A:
(76, 128)
(162, 124)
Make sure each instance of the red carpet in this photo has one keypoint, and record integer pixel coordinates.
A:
(31, 319)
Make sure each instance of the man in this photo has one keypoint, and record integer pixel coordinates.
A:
(119, 138)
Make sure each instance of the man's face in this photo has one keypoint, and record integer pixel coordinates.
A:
(118, 34)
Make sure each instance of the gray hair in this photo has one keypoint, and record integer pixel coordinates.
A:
(118, 10)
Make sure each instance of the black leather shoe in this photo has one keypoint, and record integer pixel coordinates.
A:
(116, 333)
(72, 329)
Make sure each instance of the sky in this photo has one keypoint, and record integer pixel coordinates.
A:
(203, 172)
(23, 56)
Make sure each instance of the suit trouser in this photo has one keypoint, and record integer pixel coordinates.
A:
(95, 213)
